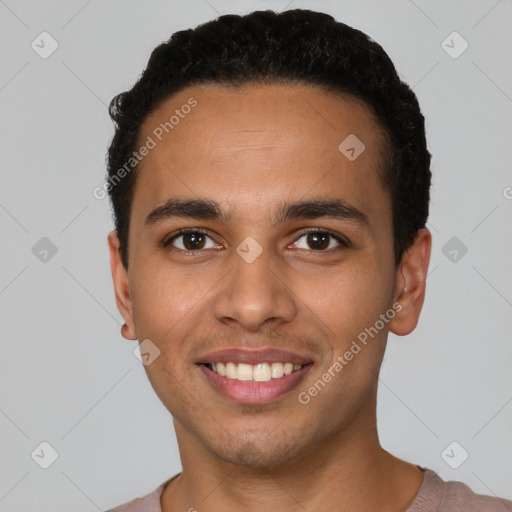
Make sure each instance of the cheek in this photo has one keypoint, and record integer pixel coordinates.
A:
(347, 298)
(171, 303)
(164, 298)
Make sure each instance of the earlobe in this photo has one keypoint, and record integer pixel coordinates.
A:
(411, 284)
(121, 287)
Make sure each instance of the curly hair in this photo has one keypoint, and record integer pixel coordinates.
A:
(301, 47)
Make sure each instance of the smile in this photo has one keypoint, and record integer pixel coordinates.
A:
(253, 376)
(261, 372)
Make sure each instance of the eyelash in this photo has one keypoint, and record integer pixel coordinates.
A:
(184, 231)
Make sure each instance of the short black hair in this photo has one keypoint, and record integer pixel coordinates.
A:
(298, 46)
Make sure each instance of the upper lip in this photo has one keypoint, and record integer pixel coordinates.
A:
(269, 355)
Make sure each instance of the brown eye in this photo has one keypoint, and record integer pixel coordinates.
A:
(320, 241)
(191, 240)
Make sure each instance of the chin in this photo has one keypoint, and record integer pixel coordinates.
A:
(260, 453)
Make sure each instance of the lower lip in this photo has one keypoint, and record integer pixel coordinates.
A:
(253, 392)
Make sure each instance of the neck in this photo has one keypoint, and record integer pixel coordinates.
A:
(349, 471)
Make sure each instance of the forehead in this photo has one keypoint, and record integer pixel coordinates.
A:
(243, 144)
(261, 113)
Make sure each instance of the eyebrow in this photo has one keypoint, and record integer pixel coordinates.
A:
(210, 210)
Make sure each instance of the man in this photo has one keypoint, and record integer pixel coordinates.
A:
(270, 180)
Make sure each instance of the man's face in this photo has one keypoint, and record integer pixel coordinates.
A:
(254, 151)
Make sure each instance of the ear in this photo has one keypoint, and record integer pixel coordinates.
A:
(121, 286)
(410, 284)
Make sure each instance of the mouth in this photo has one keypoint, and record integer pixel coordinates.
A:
(261, 372)
(254, 377)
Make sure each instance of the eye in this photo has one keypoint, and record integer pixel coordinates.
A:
(195, 239)
(192, 239)
(321, 240)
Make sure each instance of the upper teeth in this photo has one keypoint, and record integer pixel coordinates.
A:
(258, 372)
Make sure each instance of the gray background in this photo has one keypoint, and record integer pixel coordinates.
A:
(68, 377)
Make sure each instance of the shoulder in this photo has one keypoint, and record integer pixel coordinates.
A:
(148, 503)
(459, 497)
(450, 496)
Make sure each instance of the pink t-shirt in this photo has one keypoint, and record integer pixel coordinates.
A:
(435, 495)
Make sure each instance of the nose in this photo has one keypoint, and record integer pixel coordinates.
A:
(255, 294)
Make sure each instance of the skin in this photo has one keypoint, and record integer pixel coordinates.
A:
(250, 150)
